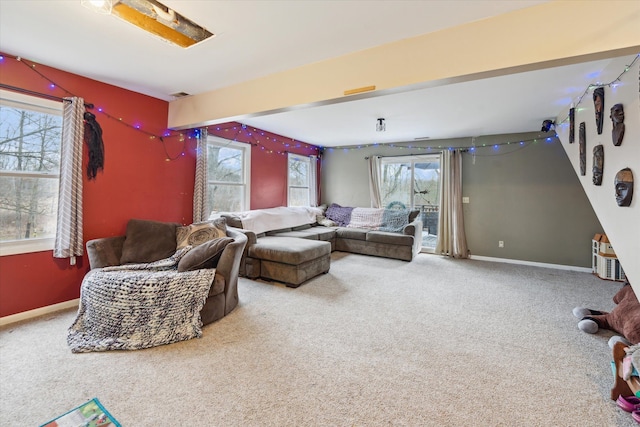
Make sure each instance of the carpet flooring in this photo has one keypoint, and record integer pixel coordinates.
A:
(375, 342)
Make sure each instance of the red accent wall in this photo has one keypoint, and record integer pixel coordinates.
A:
(138, 180)
(268, 161)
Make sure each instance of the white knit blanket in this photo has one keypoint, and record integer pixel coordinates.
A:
(369, 218)
(137, 306)
(263, 220)
(379, 219)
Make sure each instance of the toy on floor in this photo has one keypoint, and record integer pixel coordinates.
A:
(623, 319)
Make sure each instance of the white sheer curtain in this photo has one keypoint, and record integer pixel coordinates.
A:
(200, 185)
(313, 181)
(374, 181)
(452, 240)
(68, 242)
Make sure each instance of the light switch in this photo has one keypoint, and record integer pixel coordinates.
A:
(465, 200)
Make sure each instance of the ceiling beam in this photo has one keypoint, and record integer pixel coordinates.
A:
(542, 36)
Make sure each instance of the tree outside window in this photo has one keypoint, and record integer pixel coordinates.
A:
(227, 175)
(298, 180)
(411, 182)
(30, 138)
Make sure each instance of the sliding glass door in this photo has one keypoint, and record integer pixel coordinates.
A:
(413, 182)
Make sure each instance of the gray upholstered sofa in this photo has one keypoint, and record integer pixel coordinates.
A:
(280, 255)
(156, 240)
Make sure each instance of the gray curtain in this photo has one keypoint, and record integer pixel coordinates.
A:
(452, 240)
(374, 181)
(200, 187)
(68, 243)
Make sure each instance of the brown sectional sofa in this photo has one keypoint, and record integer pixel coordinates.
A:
(275, 255)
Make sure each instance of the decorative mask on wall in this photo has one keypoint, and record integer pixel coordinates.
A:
(572, 124)
(617, 117)
(624, 187)
(598, 103)
(598, 164)
(582, 141)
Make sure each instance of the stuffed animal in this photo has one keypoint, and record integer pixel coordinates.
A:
(623, 319)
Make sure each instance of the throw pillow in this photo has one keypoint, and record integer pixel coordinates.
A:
(198, 233)
(205, 255)
(148, 241)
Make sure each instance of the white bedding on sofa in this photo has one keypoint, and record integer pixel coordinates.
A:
(263, 220)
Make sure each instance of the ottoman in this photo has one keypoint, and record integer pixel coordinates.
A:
(291, 260)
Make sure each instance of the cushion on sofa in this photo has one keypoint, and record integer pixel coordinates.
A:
(352, 233)
(289, 250)
(200, 232)
(322, 233)
(389, 238)
(300, 234)
(278, 231)
(148, 241)
(205, 255)
(301, 227)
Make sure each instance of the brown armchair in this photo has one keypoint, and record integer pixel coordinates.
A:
(223, 294)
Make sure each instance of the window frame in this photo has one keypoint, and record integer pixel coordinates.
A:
(412, 160)
(246, 166)
(34, 103)
(298, 158)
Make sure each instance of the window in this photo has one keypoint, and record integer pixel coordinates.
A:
(411, 182)
(30, 137)
(299, 179)
(228, 166)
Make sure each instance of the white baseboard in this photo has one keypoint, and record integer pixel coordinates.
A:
(25, 315)
(534, 264)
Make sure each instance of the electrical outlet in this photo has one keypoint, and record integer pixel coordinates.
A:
(501, 243)
(465, 200)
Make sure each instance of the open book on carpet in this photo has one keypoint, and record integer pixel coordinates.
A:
(89, 414)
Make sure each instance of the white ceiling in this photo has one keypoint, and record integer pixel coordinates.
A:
(258, 38)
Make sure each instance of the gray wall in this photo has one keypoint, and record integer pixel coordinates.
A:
(528, 196)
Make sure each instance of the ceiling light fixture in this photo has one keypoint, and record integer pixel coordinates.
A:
(155, 18)
(98, 6)
(381, 125)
